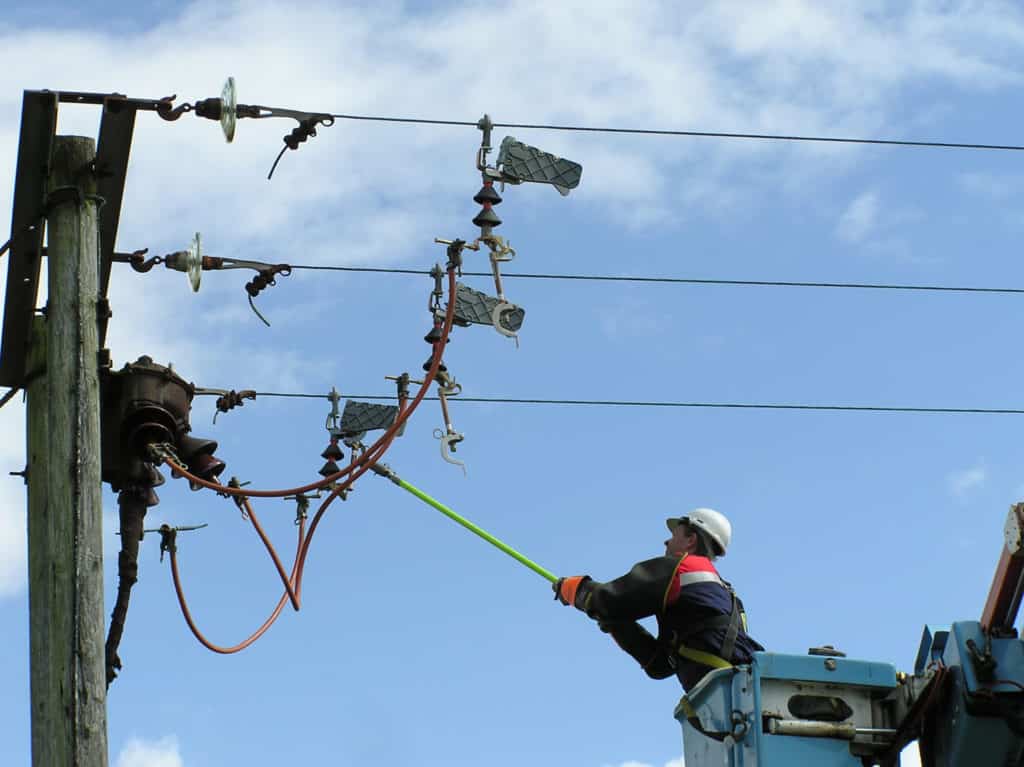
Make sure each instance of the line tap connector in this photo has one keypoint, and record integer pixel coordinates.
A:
(449, 437)
(169, 536)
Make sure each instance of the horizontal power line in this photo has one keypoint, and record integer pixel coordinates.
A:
(691, 133)
(676, 280)
(664, 404)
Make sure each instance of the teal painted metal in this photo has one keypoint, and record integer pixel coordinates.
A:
(815, 668)
(715, 698)
(1008, 655)
(793, 752)
(983, 721)
(746, 694)
(933, 642)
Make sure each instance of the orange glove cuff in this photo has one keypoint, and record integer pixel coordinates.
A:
(569, 587)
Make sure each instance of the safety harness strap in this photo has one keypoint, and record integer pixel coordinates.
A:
(731, 624)
(702, 657)
(695, 723)
(729, 643)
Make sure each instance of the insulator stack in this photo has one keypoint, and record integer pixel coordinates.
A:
(331, 454)
(430, 362)
(487, 197)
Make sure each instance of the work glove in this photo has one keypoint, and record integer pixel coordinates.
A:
(568, 590)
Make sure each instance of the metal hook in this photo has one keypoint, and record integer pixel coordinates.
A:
(448, 387)
(448, 443)
(502, 308)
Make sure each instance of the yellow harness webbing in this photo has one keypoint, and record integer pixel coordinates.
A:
(704, 658)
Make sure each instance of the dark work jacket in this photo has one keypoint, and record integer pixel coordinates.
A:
(679, 592)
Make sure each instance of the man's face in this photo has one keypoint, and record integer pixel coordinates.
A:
(681, 542)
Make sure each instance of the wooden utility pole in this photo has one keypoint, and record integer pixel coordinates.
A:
(65, 517)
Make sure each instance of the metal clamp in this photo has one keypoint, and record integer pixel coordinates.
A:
(227, 399)
(455, 248)
(501, 251)
(401, 384)
(302, 505)
(333, 423)
(238, 499)
(437, 294)
(448, 387)
(158, 452)
(448, 443)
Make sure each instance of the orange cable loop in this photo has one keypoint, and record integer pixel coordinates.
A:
(369, 458)
(357, 467)
(438, 353)
(175, 575)
(286, 580)
(366, 464)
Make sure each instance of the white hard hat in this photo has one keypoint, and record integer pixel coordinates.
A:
(710, 522)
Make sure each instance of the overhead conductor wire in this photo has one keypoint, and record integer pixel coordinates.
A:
(677, 280)
(357, 467)
(680, 404)
(690, 133)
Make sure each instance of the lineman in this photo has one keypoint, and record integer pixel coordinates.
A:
(701, 623)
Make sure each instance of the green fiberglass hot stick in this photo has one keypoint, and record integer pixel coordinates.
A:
(384, 471)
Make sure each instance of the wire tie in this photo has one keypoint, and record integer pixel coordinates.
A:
(168, 540)
(238, 499)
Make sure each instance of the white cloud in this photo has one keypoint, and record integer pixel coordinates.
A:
(859, 219)
(962, 482)
(671, 763)
(373, 192)
(818, 68)
(156, 753)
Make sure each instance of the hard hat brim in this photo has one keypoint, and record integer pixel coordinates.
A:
(673, 522)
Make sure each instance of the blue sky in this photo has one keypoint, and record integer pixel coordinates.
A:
(417, 643)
